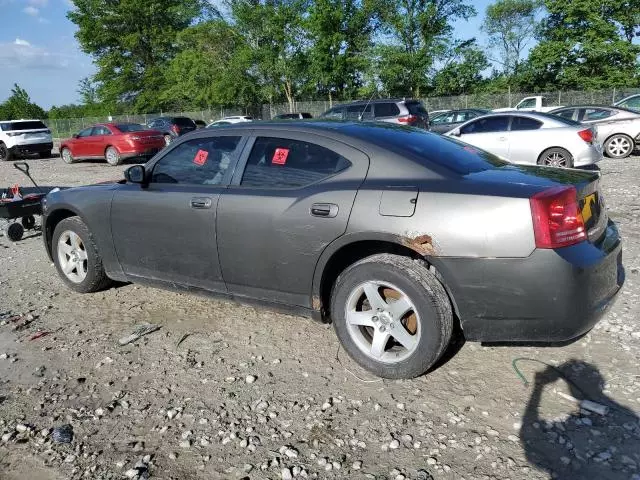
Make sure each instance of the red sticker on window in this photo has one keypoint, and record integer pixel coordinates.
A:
(201, 157)
(280, 156)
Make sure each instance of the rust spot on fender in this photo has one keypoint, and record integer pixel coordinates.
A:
(423, 244)
(316, 303)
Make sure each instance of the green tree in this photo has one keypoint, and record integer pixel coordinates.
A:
(462, 73)
(510, 26)
(420, 33)
(581, 46)
(19, 105)
(340, 34)
(132, 42)
(274, 30)
(88, 91)
(218, 60)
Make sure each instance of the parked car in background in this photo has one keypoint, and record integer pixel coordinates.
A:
(631, 102)
(445, 121)
(114, 142)
(231, 120)
(532, 138)
(24, 137)
(530, 104)
(618, 129)
(172, 127)
(386, 232)
(432, 113)
(293, 116)
(403, 112)
(200, 123)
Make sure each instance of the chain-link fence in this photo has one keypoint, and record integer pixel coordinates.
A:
(65, 127)
(62, 128)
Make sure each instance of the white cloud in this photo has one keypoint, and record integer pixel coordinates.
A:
(22, 55)
(31, 10)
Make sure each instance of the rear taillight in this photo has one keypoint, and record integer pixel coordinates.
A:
(175, 129)
(586, 135)
(557, 219)
(408, 119)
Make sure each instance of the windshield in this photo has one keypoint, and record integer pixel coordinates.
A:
(416, 108)
(183, 122)
(130, 127)
(558, 118)
(13, 126)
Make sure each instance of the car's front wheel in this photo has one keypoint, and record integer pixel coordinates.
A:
(66, 155)
(619, 146)
(76, 257)
(392, 315)
(5, 153)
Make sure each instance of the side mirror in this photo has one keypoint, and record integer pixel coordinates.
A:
(75, 135)
(455, 132)
(135, 174)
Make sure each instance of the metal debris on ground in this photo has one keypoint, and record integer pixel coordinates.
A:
(63, 434)
(139, 332)
(38, 335)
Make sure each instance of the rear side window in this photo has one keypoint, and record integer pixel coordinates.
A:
(386, 110)
(100, 130)
(306, 115)
(416, 108)
(334, 113)
(286, 163)
(17, 126)
(487, 125)
(202, 161)
(360, 112)
(524, 123)
(130, 127)
(85, 133)
(184, 122)
(596, 113)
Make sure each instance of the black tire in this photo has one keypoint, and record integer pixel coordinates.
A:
(96, 278)
(14, 232)
(112, 156)
(564, 158)
(425, 292)
(28, 222)
(66, 156)
(619, 146)
(5, 153)
(45, 154)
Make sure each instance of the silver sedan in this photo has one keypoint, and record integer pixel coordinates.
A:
(618, 128)
(532, 138)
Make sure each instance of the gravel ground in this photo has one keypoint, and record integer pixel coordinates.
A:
(228, 391)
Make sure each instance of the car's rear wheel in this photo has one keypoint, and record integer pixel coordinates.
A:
(619, 146)
(76, 257)
(556, 157)
(112, 155)
(14, 232)
(5, 153)
(66, 155)
(392, 315)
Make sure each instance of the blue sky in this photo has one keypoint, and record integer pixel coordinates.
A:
(39, 52)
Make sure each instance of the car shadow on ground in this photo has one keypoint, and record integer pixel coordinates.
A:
(584, 444)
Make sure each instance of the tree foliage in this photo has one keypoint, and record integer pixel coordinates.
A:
(19, 105)
(510, 26)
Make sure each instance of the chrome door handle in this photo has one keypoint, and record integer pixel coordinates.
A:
(328, 210)
(200, 202)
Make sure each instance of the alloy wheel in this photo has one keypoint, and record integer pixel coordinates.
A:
(555, 159)
(619, 147)
(72, 256)
(383, 322)
(66, 155)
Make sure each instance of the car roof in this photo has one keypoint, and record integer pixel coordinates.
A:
(379, 100)
(608, 107)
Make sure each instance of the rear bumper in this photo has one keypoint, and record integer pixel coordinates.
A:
(141, 152)
(589, 156)
(29, 148)
(550, 296)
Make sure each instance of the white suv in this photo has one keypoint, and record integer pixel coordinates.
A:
(23, 137)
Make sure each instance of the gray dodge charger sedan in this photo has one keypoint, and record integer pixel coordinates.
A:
(398, 236)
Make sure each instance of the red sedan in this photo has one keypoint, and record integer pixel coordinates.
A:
(112, 141)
